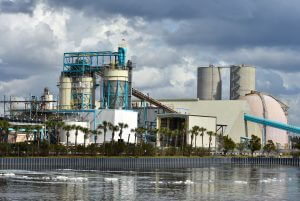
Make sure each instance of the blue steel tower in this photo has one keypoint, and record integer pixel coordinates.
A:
(116, 83)
(78, 81)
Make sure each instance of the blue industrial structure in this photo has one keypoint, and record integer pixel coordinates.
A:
(115, 94)
(271, 123)
(91, 65)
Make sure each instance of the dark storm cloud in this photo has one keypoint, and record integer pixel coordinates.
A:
(171, 9)
(215, 23)
(17, 6)
(25, 51)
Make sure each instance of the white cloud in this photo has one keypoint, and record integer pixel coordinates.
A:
(290, 80)
(32, 47)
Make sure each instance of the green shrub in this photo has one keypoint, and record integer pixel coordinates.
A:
(5, 149)
(201, 152)
(295, 154)
(149, 150)
(92, 149)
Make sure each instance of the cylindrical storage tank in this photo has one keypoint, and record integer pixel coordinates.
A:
(72, 138)
(209, 83)
(115, 88)
(267, 107)
(242, 81)
(83, 93)
(47, 99)
(65, 87)
(48, 104)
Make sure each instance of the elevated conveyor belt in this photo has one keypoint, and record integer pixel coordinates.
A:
(275, 124)
(142, 96)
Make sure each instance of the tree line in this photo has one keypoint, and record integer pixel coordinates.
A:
(173, 142)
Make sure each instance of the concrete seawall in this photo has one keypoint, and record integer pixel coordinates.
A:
(132, 163)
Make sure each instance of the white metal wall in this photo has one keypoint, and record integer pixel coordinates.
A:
(80, 137)
(117, 116)
(209, 123)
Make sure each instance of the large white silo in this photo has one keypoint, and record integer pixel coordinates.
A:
(83, 92)
(65, 87)
(76, 92)
(209, 83)
(115, 88)
(47, 100)
(242, 81)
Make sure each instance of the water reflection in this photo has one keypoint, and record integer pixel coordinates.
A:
(226, 182)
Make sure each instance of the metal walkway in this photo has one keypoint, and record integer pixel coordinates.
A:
(142, 96)
(275, 124)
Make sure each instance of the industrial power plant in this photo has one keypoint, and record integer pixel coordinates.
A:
(97, 87)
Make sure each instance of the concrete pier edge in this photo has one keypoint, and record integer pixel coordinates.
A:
(85, 163)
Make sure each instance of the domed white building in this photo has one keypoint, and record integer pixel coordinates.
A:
(265, 106)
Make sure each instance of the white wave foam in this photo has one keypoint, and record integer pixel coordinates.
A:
(269, 180)
(188, 182)
(78, 179)
(241, 182)
(111, 179)
(64, 178)
(8, 174)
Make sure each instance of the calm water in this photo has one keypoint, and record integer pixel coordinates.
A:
(223, 182)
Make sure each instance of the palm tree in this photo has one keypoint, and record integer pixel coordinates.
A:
(165, 133)
(16, 129)
(154, 132)
(4, 129)
(86, 132)
(183, 134)
(210, 134)
(114, 129)
(37, 137)
(95, 134)
(135, 131)
(55, 125)
(104, 126)
(28, 129)
(174, 136)
(202, 130)
(169, 136)
(58, 125)
(194, 132)
(68, 128)
(140, 132)
(131, 131)
(50, 125)
(122, 126)
(77, 129)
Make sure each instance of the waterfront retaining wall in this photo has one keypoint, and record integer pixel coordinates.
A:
(132, 163)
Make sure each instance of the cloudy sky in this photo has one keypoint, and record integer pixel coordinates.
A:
(168, 39)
